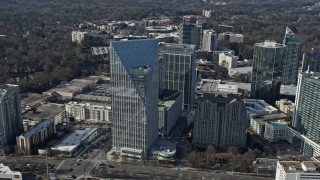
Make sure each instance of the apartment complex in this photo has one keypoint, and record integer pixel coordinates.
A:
(190, 34)
(231, 37)
(135, 92)
(11, 124)
(292, 58)
(35, 137)
(209, 40)
(178, 71)
(88, 112)
(267, 71)
(228, 60)
(220, 121)
(307, 111)
(288, 170)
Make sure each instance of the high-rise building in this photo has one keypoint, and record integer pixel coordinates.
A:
(10, 114)
(267, 71)
(135, 90)
(220, 121)
(311, 61)
(292, 58)
(190, 34)
(209, 40)
(307, 112)
(178, 70)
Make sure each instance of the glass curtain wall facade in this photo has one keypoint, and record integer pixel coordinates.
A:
(311, 61)
(292, 58)
(190, 34)
(307, 112)
(135, 90)
(267, 71)
(178, 71)
(220, 121)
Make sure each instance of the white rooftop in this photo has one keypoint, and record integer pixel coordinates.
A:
(259, 107)
(74, 139)
(6, 170)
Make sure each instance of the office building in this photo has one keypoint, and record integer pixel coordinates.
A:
(266, 72)
(289, 170)
(307, 111)
(190, 34)
(220, 121)
(230, 37)
(286, 106)
(89, 112)
(290, 64)
(311, 61)
(135, 92)
(207, 13)
(35, 137)
(6, 173)
(11, 124)
(170, 107)
(209, 40)
(74, 143)
(228, 60)
(178, 71)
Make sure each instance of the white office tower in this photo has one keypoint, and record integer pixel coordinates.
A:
(209, 40)
(135, 90)
(10, 114)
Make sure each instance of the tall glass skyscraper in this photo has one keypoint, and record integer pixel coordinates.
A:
(267, 71)
(290, 65)
(10, 114)
(307, 111)
(135, 89)
(178, 70)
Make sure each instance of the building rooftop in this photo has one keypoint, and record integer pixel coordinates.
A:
(269, 118)
(285, 89)
(242, 70)
(74, 86)
(168, 97)
(291, 166)
(6, 170)
(260, 107)
(210, 85)
(37, 128)
(4, 88)
(74, 139)
(173, 48)
(34, 99)
(92, 105)
(45, 111)
(300, 167)
(136, 53)
(269, 44)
